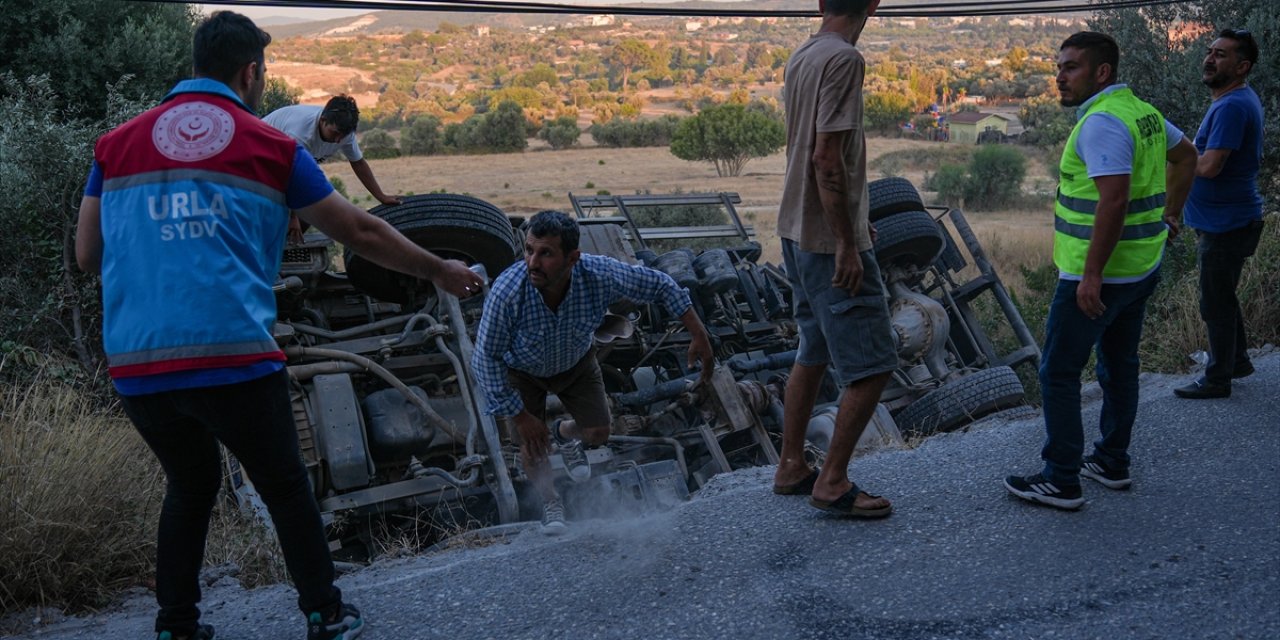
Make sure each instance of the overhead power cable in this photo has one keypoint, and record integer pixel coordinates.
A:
(955, 8)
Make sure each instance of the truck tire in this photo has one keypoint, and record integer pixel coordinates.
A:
(893, 195)
(961, 401)
(449, 225)
(911, 238)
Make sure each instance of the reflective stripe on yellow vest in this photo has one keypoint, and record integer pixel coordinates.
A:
(1142, 241)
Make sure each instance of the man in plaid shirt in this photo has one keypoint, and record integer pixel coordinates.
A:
(537, 337)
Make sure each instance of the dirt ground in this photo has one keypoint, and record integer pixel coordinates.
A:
(539, 178)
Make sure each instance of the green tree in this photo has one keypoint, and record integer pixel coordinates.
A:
(1162, 65)
(995, 177)
(504, 128)
(727, 136)
(85, 45)
(560, 133)
(378, 144)
(885, 110)
(422, 138)
(541, 72)
(1046, 121)
(629, 55)
(278, 93)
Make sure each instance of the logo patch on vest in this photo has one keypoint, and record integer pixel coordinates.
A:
(193, 131)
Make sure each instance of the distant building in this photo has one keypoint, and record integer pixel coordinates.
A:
(692, 25)
(967, 125)
(482, 30)
(959, 63)
(600, 21)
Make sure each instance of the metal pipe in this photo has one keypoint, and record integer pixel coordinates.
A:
(353, 331)
(672, 442)
(504, 492)
(1002, 295)
(782, 360)
(665, 391)
(372, 367)
(303, 372)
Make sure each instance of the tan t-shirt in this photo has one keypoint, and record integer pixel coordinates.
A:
(822, 93)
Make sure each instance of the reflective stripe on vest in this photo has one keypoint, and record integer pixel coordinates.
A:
(1142, 240)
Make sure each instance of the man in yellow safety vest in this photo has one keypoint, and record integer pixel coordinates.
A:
(1123, 179)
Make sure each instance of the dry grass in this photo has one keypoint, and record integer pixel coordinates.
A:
(80, 498)
(80, 495)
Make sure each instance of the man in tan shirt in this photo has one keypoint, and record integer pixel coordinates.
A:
(839, 298)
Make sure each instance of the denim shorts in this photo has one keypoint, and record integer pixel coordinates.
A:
(851, 332)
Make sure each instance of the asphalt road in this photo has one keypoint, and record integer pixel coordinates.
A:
(1192, 551)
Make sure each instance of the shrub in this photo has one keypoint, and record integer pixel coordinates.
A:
(727, 136)
(626, 132)
(560, 133)
(47, 305)
(339, 186)
(422, 138)
(950, 182)
(378, 144)
(995, 177)
(502, 129)
(279, 93)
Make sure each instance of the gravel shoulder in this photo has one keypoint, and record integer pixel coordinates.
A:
(1192, 551)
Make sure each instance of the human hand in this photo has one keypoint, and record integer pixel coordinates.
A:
(701, 353)
(1089, 297)
(295, 230)
(534, 436)
(848, 275)
(872, 229)
(1174, 222)
(389, 200)
(455, 278)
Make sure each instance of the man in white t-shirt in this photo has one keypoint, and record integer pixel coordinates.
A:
(324, 132)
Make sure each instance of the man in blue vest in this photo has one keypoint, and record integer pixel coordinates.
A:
(1225, 207)
(184, 215)
(1123, 180)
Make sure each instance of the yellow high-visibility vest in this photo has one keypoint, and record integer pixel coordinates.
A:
(1142, 241)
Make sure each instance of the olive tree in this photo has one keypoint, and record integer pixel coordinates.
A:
(71, 70)
(1162, 64)
(727, 136)
(84, 45)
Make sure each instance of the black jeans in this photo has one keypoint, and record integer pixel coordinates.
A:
(255, 422)
(1221, 259)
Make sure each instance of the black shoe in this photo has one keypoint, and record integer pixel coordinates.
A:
(1095, 469)
(1202, 389)
(346, 625)
(1037, 489)
(202, 632)
(1242, 370)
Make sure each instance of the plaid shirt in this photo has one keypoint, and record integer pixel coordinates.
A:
(519, 331)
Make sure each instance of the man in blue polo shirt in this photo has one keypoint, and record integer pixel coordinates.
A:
(1225, 207)
(184, 215)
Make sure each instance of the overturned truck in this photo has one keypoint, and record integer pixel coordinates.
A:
(394, 431)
